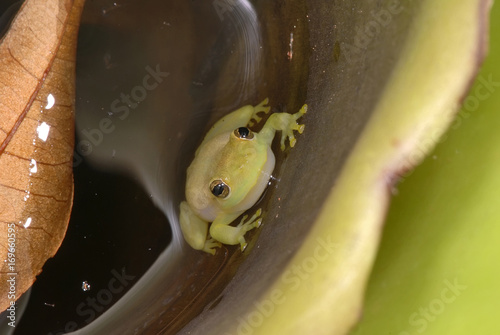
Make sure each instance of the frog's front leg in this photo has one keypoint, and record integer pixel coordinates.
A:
(195, 230)
(239, 118)
(221, 231)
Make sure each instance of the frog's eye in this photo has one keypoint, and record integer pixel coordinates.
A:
(244, 133)
(219, 188)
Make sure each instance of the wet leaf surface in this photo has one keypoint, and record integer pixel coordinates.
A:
(37, 59)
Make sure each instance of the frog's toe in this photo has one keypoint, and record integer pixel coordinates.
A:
(301, 112)
(301, 128)
(210, 246)
(242, 222)
(211, 251)
(262, 108)
(282, 142)
(246, 227)
(243, 245)
(292, 125)
(290, 135)
(263, 103)
(254, 120)
(252, 222)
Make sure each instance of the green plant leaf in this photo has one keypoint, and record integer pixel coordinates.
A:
(437, 266)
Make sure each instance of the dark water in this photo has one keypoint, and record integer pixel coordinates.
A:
(8, 8)
(108, 237)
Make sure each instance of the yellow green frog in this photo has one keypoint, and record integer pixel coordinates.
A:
(229, 173)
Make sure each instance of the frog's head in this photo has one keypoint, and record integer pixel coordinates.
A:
(241, 172)
(237, 175)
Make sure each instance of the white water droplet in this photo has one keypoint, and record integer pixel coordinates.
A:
(43, 131)
(33, 167)
(50, 101)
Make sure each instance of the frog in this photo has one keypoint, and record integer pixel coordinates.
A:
(230, 171)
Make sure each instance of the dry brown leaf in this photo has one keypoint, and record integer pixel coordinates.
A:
(37, 65)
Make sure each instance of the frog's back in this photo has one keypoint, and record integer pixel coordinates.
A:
(199, 174)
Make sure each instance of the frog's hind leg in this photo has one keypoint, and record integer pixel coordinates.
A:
(260, 108)
(195, 230)
(239, 118)
(223, 232)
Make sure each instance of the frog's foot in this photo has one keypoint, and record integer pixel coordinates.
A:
(254, 222)
(210, 246)
(260, 108)
(221, 231)
(287, 131)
